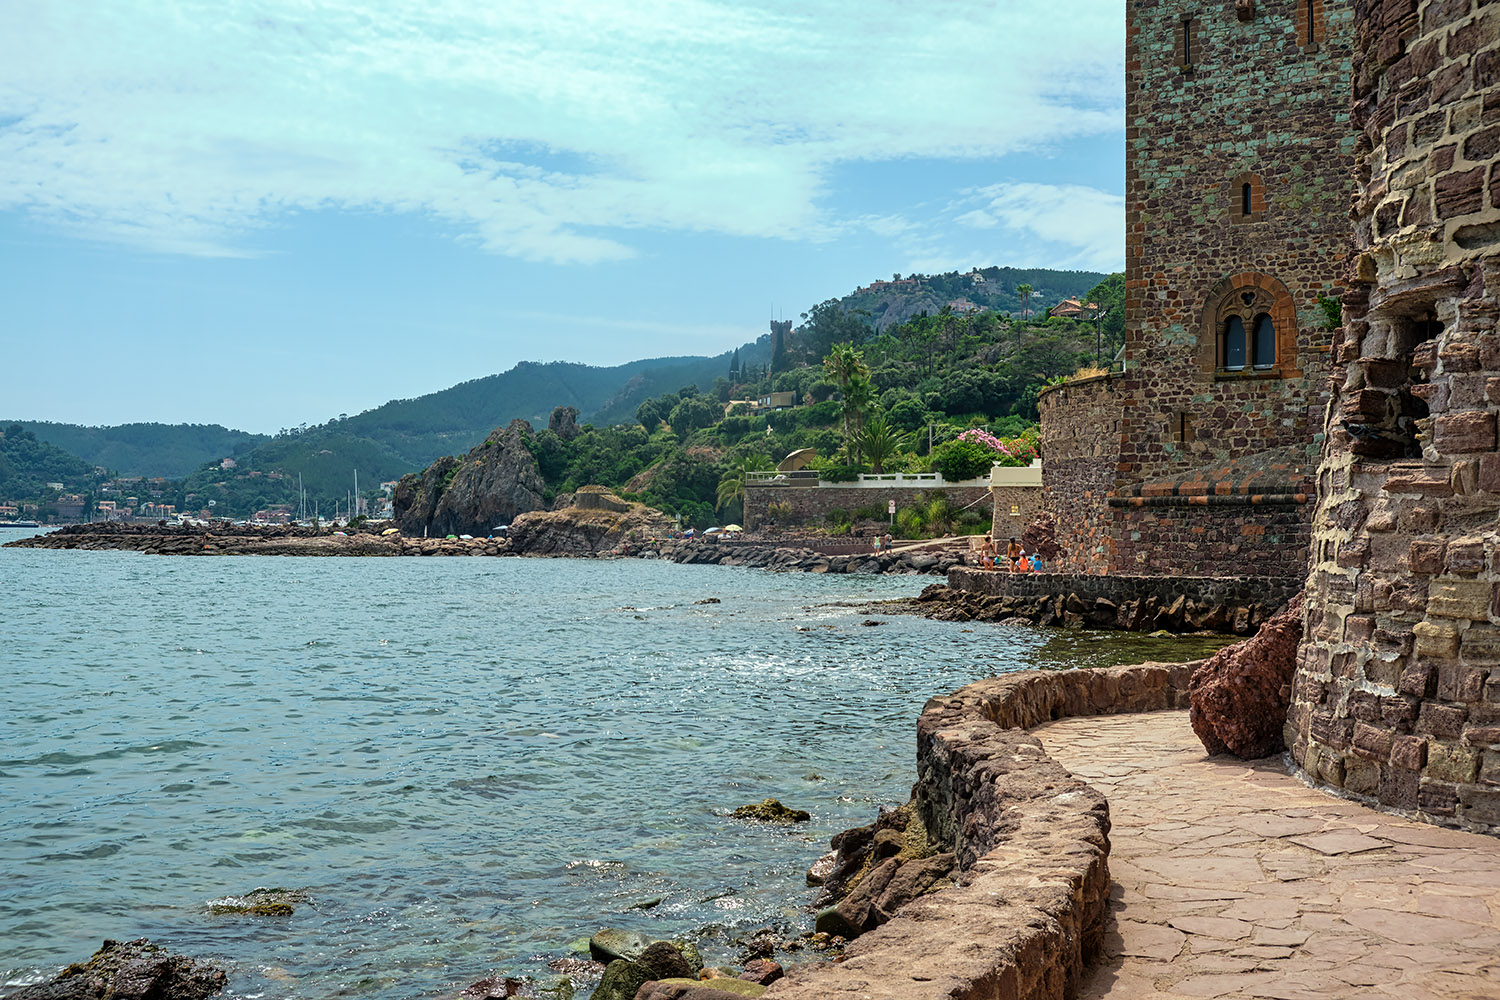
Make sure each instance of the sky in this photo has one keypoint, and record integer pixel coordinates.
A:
(267, 213)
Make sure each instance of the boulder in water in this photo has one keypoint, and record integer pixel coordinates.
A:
(612, 943)
(130, 970)
(622, 980)
(772, 811)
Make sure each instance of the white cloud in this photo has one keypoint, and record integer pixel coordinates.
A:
(1089, 222)
(547, 129)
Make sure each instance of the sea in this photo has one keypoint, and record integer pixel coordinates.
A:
(469, 765)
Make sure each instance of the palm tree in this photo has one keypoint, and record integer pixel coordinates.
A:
(732, 483)
(1025, 292)
(847, 368)
(879, 441)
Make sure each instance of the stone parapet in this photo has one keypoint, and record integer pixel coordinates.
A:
(1032, 841)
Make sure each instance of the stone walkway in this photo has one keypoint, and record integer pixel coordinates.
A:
(1234, 879)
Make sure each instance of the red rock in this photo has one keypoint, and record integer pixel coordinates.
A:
(1239, 696)
(762, 970)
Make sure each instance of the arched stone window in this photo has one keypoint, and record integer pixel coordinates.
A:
(1232, 353)
(1263, 343)
(1246, 197)
(1249, 327)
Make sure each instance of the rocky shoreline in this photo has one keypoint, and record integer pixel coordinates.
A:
(549, 541)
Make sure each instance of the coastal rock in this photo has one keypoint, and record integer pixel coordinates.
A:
(693, 989)
(611, 944)
(822, 868)
(1239, 696)
(771, 811)
(498, 480)
(131, 970)
(666, 962)
(597, 520)
(493, 988)
(621, 980)
(762, 970)
(259, 903)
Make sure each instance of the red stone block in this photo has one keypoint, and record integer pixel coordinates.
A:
(1464, 432)
(1409, 752)
(1425, 556)
(1442, 720)
(1460, 192)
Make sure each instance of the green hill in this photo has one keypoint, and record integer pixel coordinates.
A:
(169, 450)
(27, 465)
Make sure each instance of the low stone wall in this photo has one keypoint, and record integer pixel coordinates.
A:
(1134, 603)
(799, 506)
(1032, 841)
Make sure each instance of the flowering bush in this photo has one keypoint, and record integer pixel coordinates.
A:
(1013, 451)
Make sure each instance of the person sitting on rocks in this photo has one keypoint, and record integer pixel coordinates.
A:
(1023, 563)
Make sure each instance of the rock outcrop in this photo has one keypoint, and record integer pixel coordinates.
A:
(129, 970)
(493, 484)
(597, 521)
(564, 422)
(1239, 696)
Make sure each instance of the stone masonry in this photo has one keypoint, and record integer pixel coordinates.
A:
(1397, 695)
(1238, 159)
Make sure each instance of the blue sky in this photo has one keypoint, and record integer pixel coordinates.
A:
(267, 213)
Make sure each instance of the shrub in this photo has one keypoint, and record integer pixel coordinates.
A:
(839, 474)
(963, 459)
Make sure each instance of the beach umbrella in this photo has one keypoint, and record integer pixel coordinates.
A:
(391, 531)
(733, 527)
(712, 531)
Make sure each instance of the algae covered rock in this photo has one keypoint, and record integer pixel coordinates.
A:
(666, 961)
(130, 970)
(611, 943)
(260, 903)
(622, 980)
(771, 811)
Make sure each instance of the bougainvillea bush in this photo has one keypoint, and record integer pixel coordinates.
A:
(970, 455)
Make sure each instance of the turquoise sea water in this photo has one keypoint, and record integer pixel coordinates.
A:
(468, 763)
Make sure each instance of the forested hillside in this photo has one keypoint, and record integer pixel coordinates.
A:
(27, 465)
(944, 392)
(927, 364)
(169, 450)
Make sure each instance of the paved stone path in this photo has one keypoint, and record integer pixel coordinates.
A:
(1233, 879)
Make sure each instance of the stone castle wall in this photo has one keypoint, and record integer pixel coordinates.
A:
(1250, 537)
(1249, 103)
(1397, 693)
(1081, 445)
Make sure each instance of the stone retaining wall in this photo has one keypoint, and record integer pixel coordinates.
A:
(1135, 603)
(1032, 841)
(796, 506)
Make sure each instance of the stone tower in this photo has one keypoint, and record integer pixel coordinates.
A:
(1397, 694)
(1197, 460)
